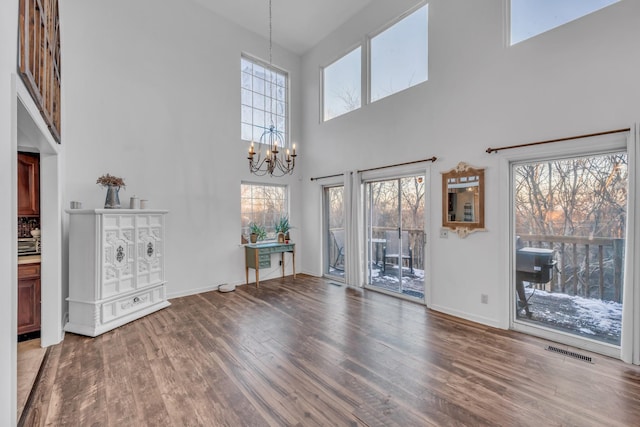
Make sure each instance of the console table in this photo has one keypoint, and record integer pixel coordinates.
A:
(258, 256)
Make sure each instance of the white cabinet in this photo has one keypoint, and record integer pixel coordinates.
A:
(116, 268)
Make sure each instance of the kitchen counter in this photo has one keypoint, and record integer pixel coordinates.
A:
(28, 259)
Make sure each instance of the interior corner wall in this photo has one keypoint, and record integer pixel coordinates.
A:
(576, 79)
(155, 98)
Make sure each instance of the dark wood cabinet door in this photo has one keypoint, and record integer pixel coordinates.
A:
(28, 185)
(28, 298)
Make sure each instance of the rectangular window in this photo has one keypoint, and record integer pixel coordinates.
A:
(264, 99)
(263, 205)
(532, 17)
(342, 87)
(399, 57)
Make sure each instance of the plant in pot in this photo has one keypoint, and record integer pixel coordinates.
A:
(282, 229)
(113, 184)
(257, 232)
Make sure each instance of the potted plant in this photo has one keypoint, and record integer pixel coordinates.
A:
(113, 184)
(282, 229)
(257, 232)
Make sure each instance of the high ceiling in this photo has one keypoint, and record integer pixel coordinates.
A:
(298, 25)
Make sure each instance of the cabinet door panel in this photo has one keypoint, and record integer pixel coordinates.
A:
(28, 185)
(150, 250)
(118, 255)
(28, 305)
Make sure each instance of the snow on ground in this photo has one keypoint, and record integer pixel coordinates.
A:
(589, 317)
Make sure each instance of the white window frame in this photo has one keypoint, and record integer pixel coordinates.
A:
(279, 71)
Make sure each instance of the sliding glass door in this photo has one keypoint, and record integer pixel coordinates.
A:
(395, 235)
(569, 224)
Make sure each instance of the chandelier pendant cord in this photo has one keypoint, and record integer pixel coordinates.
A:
(273, 163)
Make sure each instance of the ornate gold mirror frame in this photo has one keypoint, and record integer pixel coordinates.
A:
(463, 199)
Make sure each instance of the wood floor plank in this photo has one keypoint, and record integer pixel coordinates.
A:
(303, 352)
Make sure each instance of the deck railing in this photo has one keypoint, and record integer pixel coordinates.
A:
(588, 267)
(416, 243)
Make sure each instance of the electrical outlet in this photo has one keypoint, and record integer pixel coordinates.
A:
(444, 233)
(484, 299)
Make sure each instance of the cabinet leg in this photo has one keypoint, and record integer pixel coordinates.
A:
(257, 270)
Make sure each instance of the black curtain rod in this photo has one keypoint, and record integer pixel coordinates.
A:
(432, 159)
(327, 176)
(569, 138)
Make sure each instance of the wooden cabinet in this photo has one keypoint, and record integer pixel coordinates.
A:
(258, 256)
(28, 184)
(116, 268)
(28, 298)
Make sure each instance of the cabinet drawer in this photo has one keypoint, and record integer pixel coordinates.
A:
(121, 307)
(264, 260)
(29, 270)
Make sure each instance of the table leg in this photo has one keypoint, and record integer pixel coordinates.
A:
(294, 262)
(282, 262)
(257, 264)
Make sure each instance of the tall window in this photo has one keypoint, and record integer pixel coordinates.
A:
(264, 205)
(532, 17)
(264, 99)
(342, 85)
(399, 55)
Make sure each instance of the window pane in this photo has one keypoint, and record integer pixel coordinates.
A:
(246, 132)
(532, 17)
(399, 55)
(246, 97)
(342, 86)
(246, 66)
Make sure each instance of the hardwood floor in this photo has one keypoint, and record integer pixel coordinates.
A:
(307, 353)
(30, 358)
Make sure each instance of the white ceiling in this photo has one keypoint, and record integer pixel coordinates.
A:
(298, 25)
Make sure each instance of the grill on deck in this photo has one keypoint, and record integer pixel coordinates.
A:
(533, 265)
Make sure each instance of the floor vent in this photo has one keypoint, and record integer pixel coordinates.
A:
(570, 354)
(335, 284)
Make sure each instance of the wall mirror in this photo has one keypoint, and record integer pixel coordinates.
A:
(463, 199)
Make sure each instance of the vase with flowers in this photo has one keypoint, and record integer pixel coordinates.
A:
(113, 184)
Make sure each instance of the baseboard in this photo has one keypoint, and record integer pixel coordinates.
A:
(189, 292)
(477, 319)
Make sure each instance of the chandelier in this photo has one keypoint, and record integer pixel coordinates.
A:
(278, 160)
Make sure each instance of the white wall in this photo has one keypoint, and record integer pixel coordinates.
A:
(8, 210)
(152, 94)
(576, 79)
